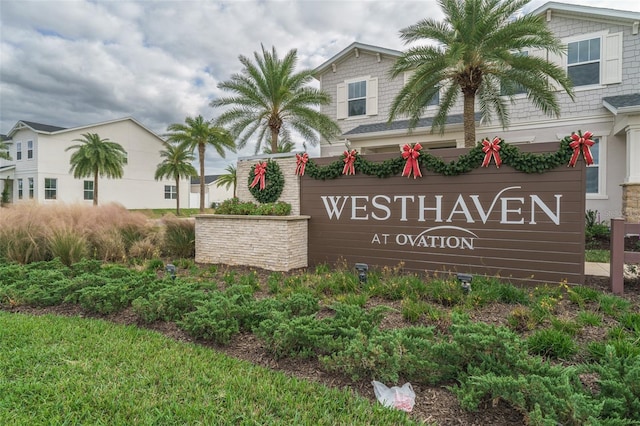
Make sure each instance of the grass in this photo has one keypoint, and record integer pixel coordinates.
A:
(160, 213)
(599, 256)
(56, 370)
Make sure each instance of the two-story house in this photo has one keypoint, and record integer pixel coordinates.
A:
(603, 60)
(39, 169)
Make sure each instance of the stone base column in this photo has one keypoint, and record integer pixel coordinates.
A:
(631, 202)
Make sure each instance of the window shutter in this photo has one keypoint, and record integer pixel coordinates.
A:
(372, 96)
(341, 101)
(612, 59)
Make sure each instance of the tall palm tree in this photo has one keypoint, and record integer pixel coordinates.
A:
(95, 157)
(197, 133)
(4, 151)
(176, 164)
(270, 100)
(228, 179)
(479, 54)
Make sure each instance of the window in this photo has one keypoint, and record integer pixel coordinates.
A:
(170, 192)
(18, 150)
(125, 159)
(357, 98)
(583, 62)
(435, 101)
(30, 180)
(20, 189)
(593, 171)
(29, 150)
(515, 88)
(88, 190)
(50, 189)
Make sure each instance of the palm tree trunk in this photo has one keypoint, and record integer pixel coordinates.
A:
(201, 157)
(469, 120)
(274, 140)
(177, 196)
(95, 187)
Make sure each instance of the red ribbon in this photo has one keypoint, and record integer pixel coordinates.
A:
(491, 149)
(301, 162)
(411, 154)
(259, 171)
(349, 158)
(581, 143)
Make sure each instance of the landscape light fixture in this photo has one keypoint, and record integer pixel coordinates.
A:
(362, 269)
(465, 282)
(171, 269)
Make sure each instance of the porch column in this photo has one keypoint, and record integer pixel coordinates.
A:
(631, 185)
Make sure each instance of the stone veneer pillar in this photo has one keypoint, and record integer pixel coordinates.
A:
(631, 202)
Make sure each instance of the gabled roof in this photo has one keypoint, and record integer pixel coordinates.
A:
(48, 129)
(355, 46)
(587, 11)
(622, 104)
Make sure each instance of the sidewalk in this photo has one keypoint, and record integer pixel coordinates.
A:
(596, 269)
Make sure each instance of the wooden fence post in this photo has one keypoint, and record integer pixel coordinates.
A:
(616, 267)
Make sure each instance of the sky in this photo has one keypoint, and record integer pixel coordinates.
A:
(72, 63)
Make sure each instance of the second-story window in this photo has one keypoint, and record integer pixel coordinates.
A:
(583, 62)
(18, 150)
(357, 98)
(29, 150)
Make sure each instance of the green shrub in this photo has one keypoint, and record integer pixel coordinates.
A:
(179, 238)
(552, 343)
(298, 336)
(68, 246)
(106, 299)
(169, 303)
(155, 265)
(236, 207)
(214, 319)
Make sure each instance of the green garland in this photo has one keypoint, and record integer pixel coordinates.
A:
(274, 184)
(510, 155)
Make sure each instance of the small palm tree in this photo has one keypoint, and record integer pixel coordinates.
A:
(176, 164)
(197, 133)
(4, 151)
(479, 54)
(270, 100)
(228, 179)
(283, 146)
(95, 157)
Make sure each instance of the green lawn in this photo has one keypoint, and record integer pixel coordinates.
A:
(158, 213)
(600, 256)
(57, 370)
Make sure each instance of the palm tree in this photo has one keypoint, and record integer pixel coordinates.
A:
(4, 151)
(198, 133)
(97, 157)
(479, 53)
(176, 164)
(228, 179)
(283, 146)
(270, 100)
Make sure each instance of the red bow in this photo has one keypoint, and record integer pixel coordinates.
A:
(349, 158)
(301, 162)
(582, 143)
(259, 171)
(491, 149)
(411, 154)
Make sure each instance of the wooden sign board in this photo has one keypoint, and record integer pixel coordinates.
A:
(522, 227)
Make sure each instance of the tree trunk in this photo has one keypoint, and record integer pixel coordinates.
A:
(95, 188)
(201, 157)
(177, 196)
(274, 140)
(469, 120)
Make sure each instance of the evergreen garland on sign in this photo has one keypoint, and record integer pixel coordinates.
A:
(522, 161)
(274, 184)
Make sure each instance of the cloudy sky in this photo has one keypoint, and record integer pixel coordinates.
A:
(76, 62)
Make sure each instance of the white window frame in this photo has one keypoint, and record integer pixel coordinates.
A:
(31, 183)
(610, 57)
(18, 151)
(51, 190)
(20, 184)
(86, 191)
(602, 175)
(29, 150)
(170, 192)
(342, 101)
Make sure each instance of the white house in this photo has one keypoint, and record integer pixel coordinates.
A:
(212, 192)
(39, 169)
(603, 59)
